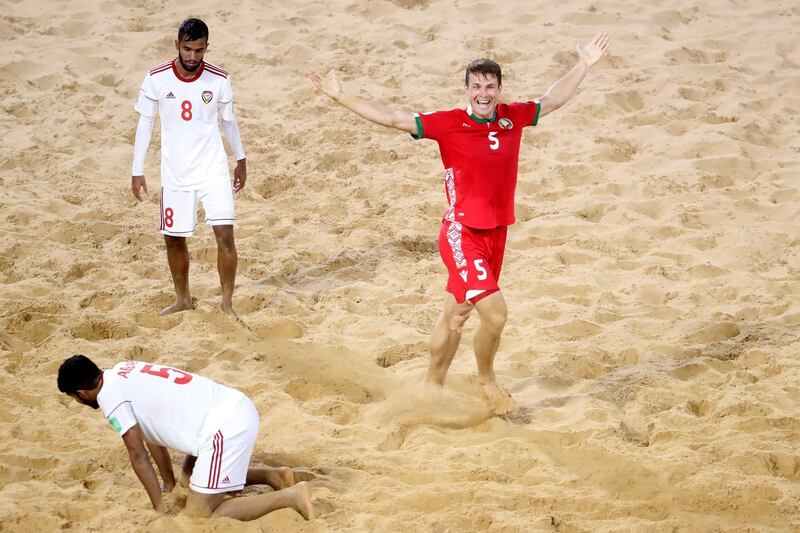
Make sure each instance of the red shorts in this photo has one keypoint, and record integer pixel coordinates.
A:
(473, 258)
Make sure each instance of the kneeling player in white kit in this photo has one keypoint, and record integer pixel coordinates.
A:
(190, 95)
(214, 425)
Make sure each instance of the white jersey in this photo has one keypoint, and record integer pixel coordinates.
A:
(172, 408)
(192, 153)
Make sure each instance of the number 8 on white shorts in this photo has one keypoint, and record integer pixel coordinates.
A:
(179, 208)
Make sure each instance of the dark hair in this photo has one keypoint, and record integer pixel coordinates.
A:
(192, 30)
(487, 67)
(78, 373)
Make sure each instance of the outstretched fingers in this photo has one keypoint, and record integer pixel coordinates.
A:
(601, 40)
(328, 84)
(595, 48)
(315, 78)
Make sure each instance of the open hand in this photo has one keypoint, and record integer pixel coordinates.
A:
(595, 49)
(327, 84)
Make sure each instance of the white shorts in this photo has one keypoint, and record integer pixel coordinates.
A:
(179, 208)
(224, 458)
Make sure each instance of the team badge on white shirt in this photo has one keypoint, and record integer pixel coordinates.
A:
(192, 153)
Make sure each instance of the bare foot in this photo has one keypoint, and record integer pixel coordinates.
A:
(302, 503)
(285, 477)
(227, 308)
(179, 305)
(499, 400)
(303, 475)
(231, 315)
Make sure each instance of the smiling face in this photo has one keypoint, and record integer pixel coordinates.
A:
(483, 91)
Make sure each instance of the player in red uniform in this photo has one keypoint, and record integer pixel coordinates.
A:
(479, 146)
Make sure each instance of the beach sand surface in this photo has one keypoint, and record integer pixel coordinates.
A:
(652, 277)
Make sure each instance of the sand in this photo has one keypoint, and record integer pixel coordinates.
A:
(652, 275)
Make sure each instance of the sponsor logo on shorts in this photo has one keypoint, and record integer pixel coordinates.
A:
(170, 95)
(505, 124)
(115, 424)
(226, 481)
(207, 96)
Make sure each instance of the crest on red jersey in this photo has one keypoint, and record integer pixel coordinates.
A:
(505, 124)
(207, 96)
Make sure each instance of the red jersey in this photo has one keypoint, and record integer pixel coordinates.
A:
(480, 158)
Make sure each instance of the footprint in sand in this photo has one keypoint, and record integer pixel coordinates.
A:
(699, 408)
(405, 352)
(714, 333)
(301, 389)
(281, 328)
(94, 329)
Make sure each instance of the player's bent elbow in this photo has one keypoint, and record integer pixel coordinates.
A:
(549, 104)
(402, 122)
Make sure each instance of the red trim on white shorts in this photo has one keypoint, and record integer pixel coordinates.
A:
(216, 461)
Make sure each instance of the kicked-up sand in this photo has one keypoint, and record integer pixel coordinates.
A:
(652, 278)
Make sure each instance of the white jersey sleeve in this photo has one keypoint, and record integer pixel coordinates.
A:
(225, 103)
(227, 92)
(231, 129)
(144, 132)
(229, 125)
(117, 410)
(147, 103)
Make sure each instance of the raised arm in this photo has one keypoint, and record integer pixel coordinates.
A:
(374, 112)
(561, 91)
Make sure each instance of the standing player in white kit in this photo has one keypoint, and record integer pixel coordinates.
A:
(190, 95)
(214, 425)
